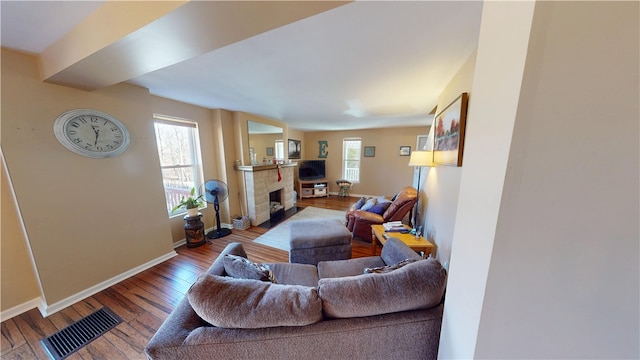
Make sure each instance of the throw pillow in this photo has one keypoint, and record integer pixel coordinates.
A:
(359, 203)
(251, 304)
(380, 207)
(371, 202)
(388, 268)
(418, 285)
(241, 268)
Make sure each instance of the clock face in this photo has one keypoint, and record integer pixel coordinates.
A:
(91, 133)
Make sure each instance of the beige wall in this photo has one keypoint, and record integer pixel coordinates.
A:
(442, 184)
(545, 260)
(384, 174)
(92, 220)
(18, 279)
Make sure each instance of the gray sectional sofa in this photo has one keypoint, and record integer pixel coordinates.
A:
(329, 311)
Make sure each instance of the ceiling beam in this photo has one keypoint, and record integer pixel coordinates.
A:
(124, 40)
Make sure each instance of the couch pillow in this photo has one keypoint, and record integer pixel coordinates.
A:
(418, 285)
(371, 202)
(388, 268)
(241, 268)
(380, 207)
(359, 203)
(250, 304)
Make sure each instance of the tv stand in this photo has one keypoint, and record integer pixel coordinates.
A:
(313, 188)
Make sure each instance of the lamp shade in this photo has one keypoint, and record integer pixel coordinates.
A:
(421, 158)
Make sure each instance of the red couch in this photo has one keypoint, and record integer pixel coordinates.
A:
(359, 221)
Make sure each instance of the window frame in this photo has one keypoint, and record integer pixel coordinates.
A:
(345, 148)
(196, 157)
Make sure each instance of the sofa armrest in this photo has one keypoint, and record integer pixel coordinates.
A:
(395, 250)
(183, 319)
(217, 268)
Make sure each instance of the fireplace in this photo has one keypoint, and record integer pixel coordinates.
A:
(276, 207)
(258, 184)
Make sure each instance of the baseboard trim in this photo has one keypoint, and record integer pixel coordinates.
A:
(20, 309)
(47, 310)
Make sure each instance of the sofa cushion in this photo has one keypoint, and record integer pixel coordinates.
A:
(241, 268)
(250, 304)
(351, 267)
(295, 274)
(418, 285)
(388, 268)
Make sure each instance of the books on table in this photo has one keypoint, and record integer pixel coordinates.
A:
(395, 226)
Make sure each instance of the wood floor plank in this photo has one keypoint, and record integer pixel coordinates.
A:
(146, 299)
(11, 336)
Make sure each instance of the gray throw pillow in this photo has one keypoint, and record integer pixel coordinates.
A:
(251, 304)
(241, 268)
(388, 268)
(418, 285)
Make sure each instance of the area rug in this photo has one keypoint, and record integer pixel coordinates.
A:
(278, 237)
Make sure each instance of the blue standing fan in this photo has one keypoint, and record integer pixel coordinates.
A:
(216, 191)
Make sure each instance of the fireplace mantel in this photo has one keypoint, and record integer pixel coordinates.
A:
(262, 167)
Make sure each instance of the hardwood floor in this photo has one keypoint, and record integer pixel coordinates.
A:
(145, 300)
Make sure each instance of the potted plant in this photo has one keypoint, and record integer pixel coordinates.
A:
(191, 203)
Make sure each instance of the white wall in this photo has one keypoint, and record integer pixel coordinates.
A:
(545, 252)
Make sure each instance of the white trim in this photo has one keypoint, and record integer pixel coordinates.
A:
(53, 308)
(20, 309)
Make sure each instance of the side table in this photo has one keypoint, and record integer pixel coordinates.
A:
(415, 243)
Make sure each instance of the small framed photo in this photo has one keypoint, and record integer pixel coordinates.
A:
(405, 150)
(269, 151)
(369, 151)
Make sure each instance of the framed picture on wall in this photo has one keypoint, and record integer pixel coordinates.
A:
(269, 151)
(449, 125)
(405, 150)
(369, 151)
(295, 149)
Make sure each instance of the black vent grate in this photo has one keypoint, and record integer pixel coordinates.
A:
(68, 340)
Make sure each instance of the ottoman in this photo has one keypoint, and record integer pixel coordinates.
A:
(319, 240)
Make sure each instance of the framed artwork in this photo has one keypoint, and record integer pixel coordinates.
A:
(269, 151)
(295, 149)
(369, 151)
(405, 150)
(449, 125)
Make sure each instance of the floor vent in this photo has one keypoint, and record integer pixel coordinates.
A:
(68, 340)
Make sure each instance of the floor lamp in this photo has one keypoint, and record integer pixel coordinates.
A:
(420, 159)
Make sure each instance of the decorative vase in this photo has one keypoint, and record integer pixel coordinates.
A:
(192, 212)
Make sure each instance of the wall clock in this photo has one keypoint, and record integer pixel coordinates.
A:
(91, 133)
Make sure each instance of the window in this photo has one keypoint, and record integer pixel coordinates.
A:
(279, 150)
(179, 152)
(351, 159)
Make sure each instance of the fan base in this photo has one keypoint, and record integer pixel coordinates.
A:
(216, 234)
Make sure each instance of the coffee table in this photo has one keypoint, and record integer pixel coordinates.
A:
(415, 243)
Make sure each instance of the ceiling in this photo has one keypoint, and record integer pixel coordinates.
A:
(364, 64)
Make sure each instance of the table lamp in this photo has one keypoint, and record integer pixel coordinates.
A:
(420, 159)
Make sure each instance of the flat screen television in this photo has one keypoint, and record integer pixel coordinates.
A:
(311, 169)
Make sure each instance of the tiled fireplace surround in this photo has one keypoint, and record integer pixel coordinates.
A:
(259, 181)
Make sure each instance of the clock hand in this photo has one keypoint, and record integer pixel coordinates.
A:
(97, 131)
